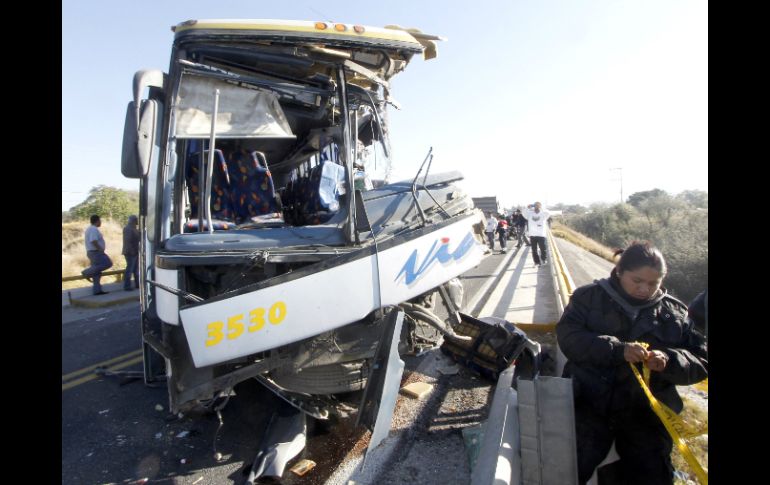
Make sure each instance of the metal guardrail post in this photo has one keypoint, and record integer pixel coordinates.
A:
(547, 431)
(564, 283)
(564, 287)
(499, 460)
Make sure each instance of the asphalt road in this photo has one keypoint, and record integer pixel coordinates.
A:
(584, 267)
(118, 431)
(112, 431)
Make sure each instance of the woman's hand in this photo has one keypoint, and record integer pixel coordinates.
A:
(656, 360)
(635, 352)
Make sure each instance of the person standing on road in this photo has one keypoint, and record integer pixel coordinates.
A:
(490, 230)
(131, 252)
(520, 223)
(601, 331)
(502, 233)
(536, 217)
(95, 248)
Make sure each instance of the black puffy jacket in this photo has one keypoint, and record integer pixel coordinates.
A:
(593, 330)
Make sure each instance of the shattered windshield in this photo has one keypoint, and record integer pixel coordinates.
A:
(286, 139)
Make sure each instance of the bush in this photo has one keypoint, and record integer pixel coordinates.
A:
(107, 202)
(677, 228)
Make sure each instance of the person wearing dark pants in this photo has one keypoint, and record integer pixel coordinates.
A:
(502, 233)
(538, 242)
(99, 260)
(608, 326)
(536, 218)
(131, 253)
(491, 229)
(520, 226)
(639, 437)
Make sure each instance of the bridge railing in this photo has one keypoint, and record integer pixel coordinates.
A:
(563, 282)
(115, 272)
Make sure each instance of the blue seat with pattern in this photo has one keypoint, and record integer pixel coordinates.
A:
(252, 190)
(222, 211)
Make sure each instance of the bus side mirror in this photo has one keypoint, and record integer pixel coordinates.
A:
(141, 131)
(139, 138)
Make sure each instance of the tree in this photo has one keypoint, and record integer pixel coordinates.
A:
(623, 213)
(107, 202)
(677, 228)
(569, 208)
(696, 198)
(637, 198)
(660, 209)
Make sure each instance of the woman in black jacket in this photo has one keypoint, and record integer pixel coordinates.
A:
(600, 332)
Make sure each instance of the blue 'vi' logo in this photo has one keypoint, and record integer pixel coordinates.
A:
(440, 254)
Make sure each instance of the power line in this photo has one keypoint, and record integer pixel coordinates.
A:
(620, 171)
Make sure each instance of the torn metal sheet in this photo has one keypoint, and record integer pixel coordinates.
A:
(285, 438)
(382, 390)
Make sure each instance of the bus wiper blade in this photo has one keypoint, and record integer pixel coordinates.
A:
(177, 292)
(225, 74)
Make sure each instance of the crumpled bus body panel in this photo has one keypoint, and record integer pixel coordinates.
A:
(275, 244)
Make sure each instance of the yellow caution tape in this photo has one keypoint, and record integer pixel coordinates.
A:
(685, 429)
(676, 427)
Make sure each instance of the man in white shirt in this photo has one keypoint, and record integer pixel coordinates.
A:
(537, 218)
(490, 230)
(95, 251)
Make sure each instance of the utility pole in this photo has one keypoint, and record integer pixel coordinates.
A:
(620, 173)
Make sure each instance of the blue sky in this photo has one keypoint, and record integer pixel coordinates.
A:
(531, 100)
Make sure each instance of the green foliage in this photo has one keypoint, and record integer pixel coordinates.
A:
(679, 229)
(108, 203)
(696, 198)
(685, 247)
(637, 198)
(659, 209)
(623, 213)
(569, 208)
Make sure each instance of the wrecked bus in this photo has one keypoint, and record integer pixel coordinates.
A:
(274, 243)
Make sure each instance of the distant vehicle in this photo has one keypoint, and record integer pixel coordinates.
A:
(487, 204)
(273, 244)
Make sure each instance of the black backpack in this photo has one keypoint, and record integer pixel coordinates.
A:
(496, 345)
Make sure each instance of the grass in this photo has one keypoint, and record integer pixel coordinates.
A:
(699, 445)
(73, 250)
(560, 230)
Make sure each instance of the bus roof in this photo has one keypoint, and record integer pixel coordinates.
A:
(270, 28)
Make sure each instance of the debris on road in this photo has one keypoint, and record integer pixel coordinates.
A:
(449, 370)
(417, 389)
(183, 434)
(303, 467)
(472, 436)
(104, 411)
(285, 437)
(158, 407)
